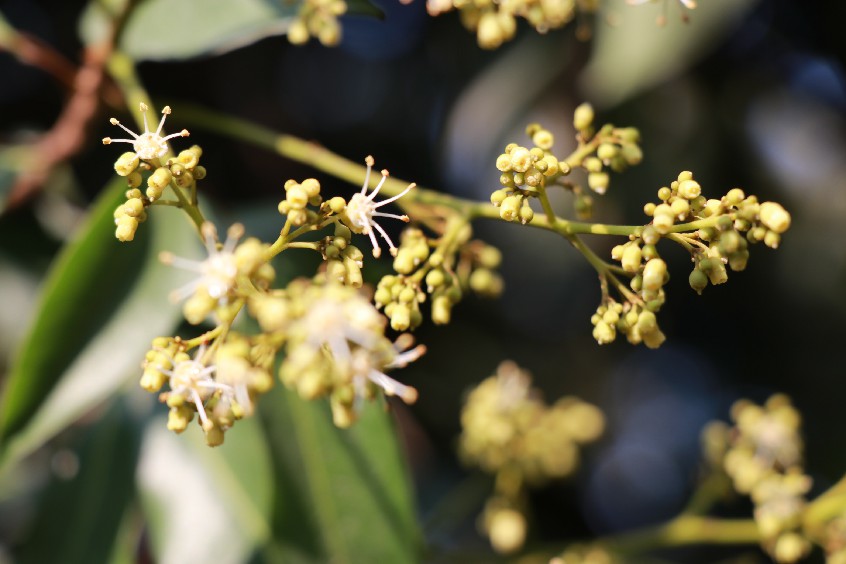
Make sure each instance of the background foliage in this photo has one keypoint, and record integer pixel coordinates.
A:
(747, 94)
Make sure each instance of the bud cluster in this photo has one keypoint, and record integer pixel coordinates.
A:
(762, 455)
(508, 430)
(525, 172)
(219, 384)
(443, 274)
(299, 195)
(495, 22)
(318, 18)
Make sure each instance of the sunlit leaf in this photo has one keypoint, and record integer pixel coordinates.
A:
(204, 504)
(102, 304)
(631, 52)
(341, 495)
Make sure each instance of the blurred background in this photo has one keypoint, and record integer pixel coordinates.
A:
(748, 93)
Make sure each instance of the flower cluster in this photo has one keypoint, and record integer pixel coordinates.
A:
(509, 431)
(440, 269)
(711, 230)
(762, 455)
(181, 173)
(336, 347)
(527, 172)
(495, 22)
(318, 18)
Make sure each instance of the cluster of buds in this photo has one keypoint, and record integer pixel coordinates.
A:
(298, 196)
(444, 274)
(145, 160)
(721, 243)
(318, 18)
(762, 455)
(509, 431)
(495, 22)
(219, 384)
(343, 259)
(525, 171)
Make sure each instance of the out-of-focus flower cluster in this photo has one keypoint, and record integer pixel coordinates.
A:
(495, 22)
(762, 455)
(509, 431)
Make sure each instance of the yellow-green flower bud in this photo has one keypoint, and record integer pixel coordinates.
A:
(583, 117)
(133, 207)
(607, 151)
(653, 274)
(631, 153)
(631, 258)
(178, 418)
(526, 212)
(435, 278)
(689, 189)
(127, 163)
(521, 160)
(503, 163)
(543, 139)
(735, 196)
(510, 208)
(772, 239)
(498, 196)
(134, 180)
(126, 227)
(188, 158)
(598, 181)
(698, 280)
(400, 317)
(158, 181)
(604, 333)
(774, 217)
(297, 197)
(654, 339)
(198, 307)
(489, 34)
(441, 310)
(214, 436)
(680, 208)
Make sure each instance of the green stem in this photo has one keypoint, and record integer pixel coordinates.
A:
(685, 530)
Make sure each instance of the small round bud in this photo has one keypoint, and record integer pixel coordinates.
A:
(503, 163)
(689, 189)
(127, 163)
(604, 333)
(598, 182)
(543, 139)
(774, 217)
(134, 179)
(583, 117)
(297, 197)
(698, 280)
(133, 207)
(631, 258)
(526, 213)
(606, 151)
(521, 160)
(592, 164)
(664, 194)
(653, 274)
(632, 154)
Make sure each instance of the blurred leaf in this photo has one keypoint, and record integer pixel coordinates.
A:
(78, 519)
(167, 30)
(341, 495)
(635, 53)
(101, 305)
(228, 489)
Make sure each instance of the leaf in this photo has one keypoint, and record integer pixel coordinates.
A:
(101, 305)
(228, 489)
(635, 53)
(341, 495)
(174, 30)
(78, 519)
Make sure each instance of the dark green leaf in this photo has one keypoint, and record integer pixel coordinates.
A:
(78, 519)
(101, 305)
(341, 495)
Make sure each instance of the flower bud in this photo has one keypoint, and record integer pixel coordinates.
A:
(698, 280)
(774, 217)
(583, 117)
(653, 274)
(689, 189)
(631, 258)
(127, 163)
(598, 181)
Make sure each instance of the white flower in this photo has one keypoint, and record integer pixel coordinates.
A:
(351, 329)
(218, 273)
(150, 144)
(192, 380)
(361, 210)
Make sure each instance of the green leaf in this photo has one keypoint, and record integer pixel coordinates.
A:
(101, 305)
(227, 489)
(78, 519)
(636, 53)
(341, 495)
(174, 30)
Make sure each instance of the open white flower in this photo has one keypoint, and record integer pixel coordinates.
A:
(218, 273)
(361, 211)
(191, 379)
(150, 144)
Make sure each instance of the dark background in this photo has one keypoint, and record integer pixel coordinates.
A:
(761, 107)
